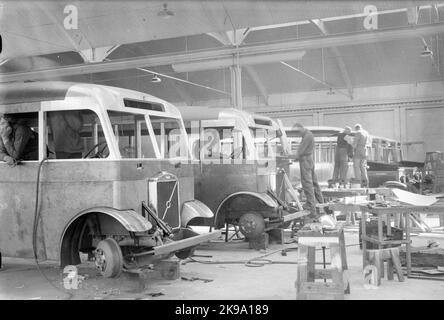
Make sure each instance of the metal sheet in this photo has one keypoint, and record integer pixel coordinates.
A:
(413, 198)
(194, 209)
(296, 215)
(131, 220)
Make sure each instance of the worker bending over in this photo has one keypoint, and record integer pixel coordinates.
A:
(17, 140)
(309, 180)
(361, 142)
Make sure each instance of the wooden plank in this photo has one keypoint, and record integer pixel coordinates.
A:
(335, 255)
(302, 268)
(186, 243)
(322, 274)
(407, 246)
(390, 269)
(384, 242)
(321, 291)
(384, 253)
(311, 256)
(343, 250)
(419, 222)
(379, 263)
(435, 209)
(318, 241)
(363, 240)
(296, 215)
(397, 264)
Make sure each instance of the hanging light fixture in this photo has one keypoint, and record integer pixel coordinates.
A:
(155, 79)
(427, 52)
(330, 92)
(165, 13)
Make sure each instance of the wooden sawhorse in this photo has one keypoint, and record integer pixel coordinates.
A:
(306, 286)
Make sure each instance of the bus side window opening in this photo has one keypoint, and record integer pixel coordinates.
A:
(19, 137)
(75, 134)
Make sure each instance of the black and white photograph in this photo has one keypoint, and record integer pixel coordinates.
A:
(221, 155)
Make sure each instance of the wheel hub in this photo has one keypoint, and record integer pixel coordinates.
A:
(100, 260)
(249, 226)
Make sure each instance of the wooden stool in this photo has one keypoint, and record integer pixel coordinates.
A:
(306, 287)
(377, 257)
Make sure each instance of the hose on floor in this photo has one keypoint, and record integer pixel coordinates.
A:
(259, 261)
(35, 231)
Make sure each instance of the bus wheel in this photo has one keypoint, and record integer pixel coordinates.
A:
(185, 253)
(252, 225)
(108, 258)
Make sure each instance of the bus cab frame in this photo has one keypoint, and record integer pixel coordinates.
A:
(123, 210)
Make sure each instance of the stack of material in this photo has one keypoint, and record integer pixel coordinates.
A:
(427, 262)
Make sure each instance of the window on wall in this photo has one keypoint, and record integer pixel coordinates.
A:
(75, 134)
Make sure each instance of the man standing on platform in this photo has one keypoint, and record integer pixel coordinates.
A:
(343, 152)
(361, 142)
(309, 180)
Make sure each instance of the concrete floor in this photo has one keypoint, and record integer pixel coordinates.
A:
(19, 279)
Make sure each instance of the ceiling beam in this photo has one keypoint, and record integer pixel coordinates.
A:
(349, 39)
(238, 36)
(97, 54)
(341, 64)
(222, 37)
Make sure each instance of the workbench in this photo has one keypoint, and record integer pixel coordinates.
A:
(401, 215)
(331, 193)
(347, 209)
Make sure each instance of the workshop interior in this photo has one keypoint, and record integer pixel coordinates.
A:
(221, 150)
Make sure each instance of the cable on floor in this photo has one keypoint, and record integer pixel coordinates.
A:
(259, 261)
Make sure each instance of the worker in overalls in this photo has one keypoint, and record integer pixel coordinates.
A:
(309, 180)
(361, 144)
(343, 152)
(66, 127)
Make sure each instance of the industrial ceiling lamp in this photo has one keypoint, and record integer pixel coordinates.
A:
(427, 52)
(330, 92)
(165, 13)
(155, 79)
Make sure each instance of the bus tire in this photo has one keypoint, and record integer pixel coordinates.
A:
(251, 225)
(108, 258)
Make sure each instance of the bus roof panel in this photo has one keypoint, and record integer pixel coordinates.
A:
(110, 97)
(190, 113)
